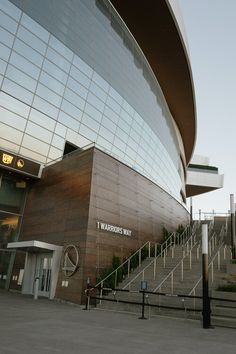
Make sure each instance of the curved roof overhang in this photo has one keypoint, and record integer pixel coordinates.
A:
(154, 27)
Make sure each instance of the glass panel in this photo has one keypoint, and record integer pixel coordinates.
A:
(121, 134)
(135, 136)
(71, 109)
(39, 132)
(89, 122)
(102, 95)
(74, 99)
(138, 119)
(55, 153)
(126, 116)
(106, 134)
(53, 70)
(104, 143)
(34, 27)
(136, 127)
(14, 105)
(79, 76)
(3, 66)
(4, 52)
(45, 107)
(10, 9)
(17, 91)
(119, 143)
(12, 194)
(107, 123)
(60, 130)
(48, 95)
(41, 119)
(32, 155)
(52, 83)
(131, 153)
(115, 95)
(123, 125)
(20, 78)
(12, 119)
(60, 48)
(100, 82)
(81, 65)
(77, 88)
(8, 228)
(93, 112)
(117, 152)
(95, 102)
(5, 258)
(10, 133)
(8, 23)
(19, 62)
(58, 142)
(68, 121)
(35, 145)
(28, 52)
(132, 144)
(113, 104)
(56, 58)
(128, 108)
(31, 39)
(91, 135)
(6, 37)
(111, 114)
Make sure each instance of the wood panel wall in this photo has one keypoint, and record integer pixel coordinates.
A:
(91, 186)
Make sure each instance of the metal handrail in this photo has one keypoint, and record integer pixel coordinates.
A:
(222, 231)
(164, 247)
(126, 261)
(167, 244)
(209, 265)
(172, 271)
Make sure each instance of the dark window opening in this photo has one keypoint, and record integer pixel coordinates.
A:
(69, 147)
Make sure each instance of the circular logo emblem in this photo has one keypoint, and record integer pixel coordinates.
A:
(70, 260)
(20, 163)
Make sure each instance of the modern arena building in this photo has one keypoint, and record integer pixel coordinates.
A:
(97, 128)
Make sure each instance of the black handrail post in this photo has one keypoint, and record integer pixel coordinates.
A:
(143, 288)
(143, 306)
(232, 219)
(87, 291)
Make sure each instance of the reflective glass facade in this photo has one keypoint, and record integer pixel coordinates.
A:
(70, 72)
(12, 199)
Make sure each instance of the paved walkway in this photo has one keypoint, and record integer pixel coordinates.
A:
(43, 326)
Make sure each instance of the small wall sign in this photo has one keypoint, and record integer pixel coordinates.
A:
(112, 228)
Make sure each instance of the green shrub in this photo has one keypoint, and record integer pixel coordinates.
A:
(115, 262)
(233, 261)
(227, 287)
(134, 261)
(144, 253)
(166, 234)
(180, 229)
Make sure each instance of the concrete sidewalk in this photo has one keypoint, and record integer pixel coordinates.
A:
(43, 326)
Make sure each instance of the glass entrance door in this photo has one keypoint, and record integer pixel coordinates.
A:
(44, 270)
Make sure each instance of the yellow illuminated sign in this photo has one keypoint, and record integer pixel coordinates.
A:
(7, 159)
(20, 163)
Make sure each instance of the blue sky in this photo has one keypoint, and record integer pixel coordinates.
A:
(211, 31)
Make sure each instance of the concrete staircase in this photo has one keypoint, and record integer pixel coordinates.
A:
(175, 273)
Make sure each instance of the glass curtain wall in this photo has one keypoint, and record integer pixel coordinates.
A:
(12, 197)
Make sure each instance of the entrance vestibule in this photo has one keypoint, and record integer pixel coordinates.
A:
(42, 263)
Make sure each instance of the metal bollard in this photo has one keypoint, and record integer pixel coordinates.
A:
(143, 288)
